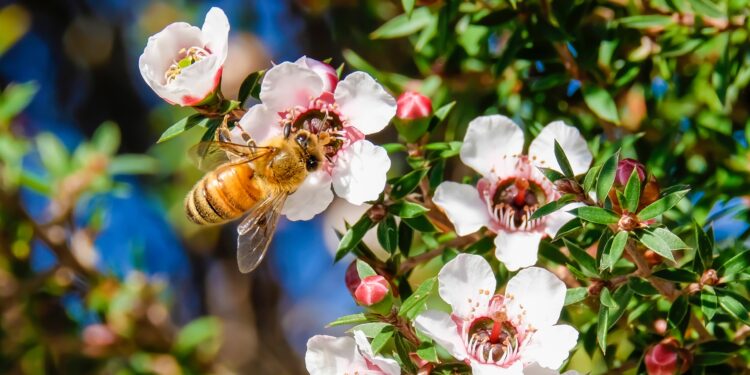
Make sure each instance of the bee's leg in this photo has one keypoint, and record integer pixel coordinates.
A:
(222, 133)
(287, 129)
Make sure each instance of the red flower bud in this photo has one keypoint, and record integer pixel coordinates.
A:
(666, 358)
(625, 169)
(413, 105)
(351, 278)
(371, 290)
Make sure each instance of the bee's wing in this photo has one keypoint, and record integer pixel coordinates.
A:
(209, 155)
(256, 231)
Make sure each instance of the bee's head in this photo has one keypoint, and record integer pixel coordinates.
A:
(311, 149)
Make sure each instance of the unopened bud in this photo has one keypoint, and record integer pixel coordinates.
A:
(666, 358)
(412, 105)
(625, 169)
(98, 335)
(710, 277)
(377, 212)
(628, 222)
(371, 290)
(567, 186)
(351, 278)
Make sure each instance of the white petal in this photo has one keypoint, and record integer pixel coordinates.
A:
(196, 82)
(365, 102)
(542, 149)
(488, 140)
(517, 249)
(386, 365)
(557, 219)
(326, 72)
(330, 355)
(260, 123)
(550, 346)
(359, 172)
(537, 296)
(535, 369)
(463, 206)
(216, 33)
(440, 327)
(467, 283)
(311, 198)
(489, 369)
(288, 85)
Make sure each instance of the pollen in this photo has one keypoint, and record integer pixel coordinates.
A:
(187, 57)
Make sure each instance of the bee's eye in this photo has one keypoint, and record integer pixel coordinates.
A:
(312, 164)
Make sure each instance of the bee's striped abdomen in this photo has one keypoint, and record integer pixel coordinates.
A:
(223, 194)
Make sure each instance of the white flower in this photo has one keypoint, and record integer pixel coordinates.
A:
(512, 187)
(183, 63)
(499, 334)
(327, 355)
(294, 94)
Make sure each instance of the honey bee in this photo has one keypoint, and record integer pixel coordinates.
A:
(254, 180)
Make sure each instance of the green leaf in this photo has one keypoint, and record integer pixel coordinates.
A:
(707, 8)
(656, 244)
(596, 215)
(407, 209)
(407, 183)
(562, 160)
(403, 24)
(181, 126)
(408, 6)
(420, 223)
(613, 254)
(711, 358)
(676, 275)
(388, 234)
(660, 206)
(632, 192)
(440, 115)
(427, 351)
(201, 332)
(704, 249)
(606, 299)
(53, 154)
(250, 86)
(353, 236)
(228, 106)
(735, 305)
(382, 338)
(641, 287)
(15, 98)
(575, 295)
(106, 138)
(130, 164)
(415, 304)
(602, 326)
(370, 329)
(601, 103)
(551, 174)
(606, 177)
(646, 21)
(709, 302)
(568, 227)
(590, 180)
(549, 81)
(678, 311)
(403, 349)
(393, 147)
(674, 242)
(348, 319)
(364, 269)
(405, 237)
(552, 206)
(587, 263)
(735, 264)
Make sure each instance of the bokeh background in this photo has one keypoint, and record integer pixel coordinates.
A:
(82, 57)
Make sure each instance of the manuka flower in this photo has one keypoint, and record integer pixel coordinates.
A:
(183, 63)
(345, 355)
(499, 334)
(511, 188)
(294, 95)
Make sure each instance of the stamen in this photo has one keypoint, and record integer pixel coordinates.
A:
(188, 56)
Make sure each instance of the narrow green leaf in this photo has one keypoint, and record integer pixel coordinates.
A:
(602, 326)
(632, 192)
(250, 86)
(562, 161)
(590, 180)
(678, 311)
(405, 237)
(382, 338)
(615, 250)
(15, 98)
(364, 269)
(202, 332)
(656, 244)
(440, 115)
(606, 299)
(403, 349)
(641, 287)
(575, 295)
(709, 302)
(660, 206)
(707, 8)
(587, 263)
(349, 319)
(408, 6)
(407, 209)
(403, 24)
(704, 249)
(388, 234)
(606, 177)
(646, 21)
(53, 154)
(420, 223)
(370, 329)
(353, 236)
(181, 126)
(407, 183)
(415, 304)
(552, 206)
(735, 264)
(106, 138)
(131, 164)
(674, 242)
(679, 275)
(735, 305)
(601, 103)
(427, 351)
(551, 174)
(596, 215)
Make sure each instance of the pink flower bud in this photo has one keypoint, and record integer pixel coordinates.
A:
(413, 105)
(666, 358)
(371, 290)
(98, 335)
(625, 169)
(326, 72)
(351, 278)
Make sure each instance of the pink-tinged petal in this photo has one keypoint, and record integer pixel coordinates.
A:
(489, 369)
(467, 283)
(331, 355)
(535, 369)
(311, 198)
(359, 172)
(463, 206)
(542, 148)
(260, 123)
(365, 103)
(557, 219)
(517, 249)
(550, 346)
(386, 365)
(490, 139)
(439, 326)
(216, 33)
(535, 296)
(196, 82)
(288, 85)
(326, 72)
